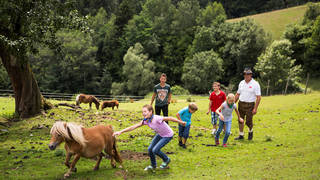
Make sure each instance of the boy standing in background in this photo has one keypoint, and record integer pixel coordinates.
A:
(217, 97)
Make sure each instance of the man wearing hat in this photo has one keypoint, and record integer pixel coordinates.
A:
(249, 95)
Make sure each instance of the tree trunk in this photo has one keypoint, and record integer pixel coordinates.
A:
(28, 99)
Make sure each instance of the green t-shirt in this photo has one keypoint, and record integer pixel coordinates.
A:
(162, 94)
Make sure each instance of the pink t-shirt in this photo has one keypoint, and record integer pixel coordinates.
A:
(160, 126)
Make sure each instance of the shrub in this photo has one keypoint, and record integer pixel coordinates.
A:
(189, 99)
(178, 90)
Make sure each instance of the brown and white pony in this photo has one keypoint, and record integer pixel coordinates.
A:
(112, 104)
(83, 98)
(84, 142)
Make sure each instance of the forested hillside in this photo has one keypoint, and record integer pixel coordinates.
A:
(121, 47)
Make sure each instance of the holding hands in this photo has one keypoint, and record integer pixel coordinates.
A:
(221, 117)
(183, 123)
(116, 133)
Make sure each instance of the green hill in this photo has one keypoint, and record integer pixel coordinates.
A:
(275, 22)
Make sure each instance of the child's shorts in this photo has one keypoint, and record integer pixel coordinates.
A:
(184, 131)
(214, 118)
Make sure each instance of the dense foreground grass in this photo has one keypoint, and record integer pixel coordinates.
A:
(286, 144)
(275, 22)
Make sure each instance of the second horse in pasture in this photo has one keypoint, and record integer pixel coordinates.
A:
(112, 104)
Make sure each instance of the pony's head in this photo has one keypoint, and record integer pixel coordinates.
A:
(62, 131)
(57, 134)
(116, 103)
(96, 102)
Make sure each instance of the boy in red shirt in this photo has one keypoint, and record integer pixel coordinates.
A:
(217, 97)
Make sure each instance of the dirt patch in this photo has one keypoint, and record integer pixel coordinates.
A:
(201, 128)
(130, 155)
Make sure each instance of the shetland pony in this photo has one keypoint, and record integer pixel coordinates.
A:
(112, 104)
(83, 98)
(84, 142)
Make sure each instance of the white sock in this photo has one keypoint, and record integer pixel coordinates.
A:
(241, 133)
(251, 130)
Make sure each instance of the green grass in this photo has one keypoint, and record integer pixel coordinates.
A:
(285, 146)
(275, 22)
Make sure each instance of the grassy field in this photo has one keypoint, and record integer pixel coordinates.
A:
(285, 145)
(275, 22)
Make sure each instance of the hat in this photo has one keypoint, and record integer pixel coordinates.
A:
(247, 71)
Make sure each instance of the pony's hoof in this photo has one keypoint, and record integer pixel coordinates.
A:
(74, 169)
(66, 175)
(96, 168)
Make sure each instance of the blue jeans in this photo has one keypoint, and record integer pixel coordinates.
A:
(154, 149)
(214, 118)
(227, 133)
(184, 131)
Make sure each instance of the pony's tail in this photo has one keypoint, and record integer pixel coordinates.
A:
(77, 100)
(117, 156)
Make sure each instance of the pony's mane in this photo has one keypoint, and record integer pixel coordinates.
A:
(75, 130)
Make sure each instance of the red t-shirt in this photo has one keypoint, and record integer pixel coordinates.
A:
(217, 100)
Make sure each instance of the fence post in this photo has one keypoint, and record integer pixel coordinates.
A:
(285, 91)
(305, 90)
(268, 87)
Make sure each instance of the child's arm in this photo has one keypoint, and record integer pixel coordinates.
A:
(210, 103)
(239, 118)
(152, 99)
(178, 116)
(128, 129)
(218, 112)
(174, 120)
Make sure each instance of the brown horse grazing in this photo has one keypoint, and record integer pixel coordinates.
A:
(83, 98)
(84, 142)
(112, 104)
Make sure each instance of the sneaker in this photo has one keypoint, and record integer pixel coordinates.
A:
(180, 143)
(224, 145)
(164, 165)
(184, 146)
(149, 168)
(239, 138)
(250, 136)
(217, 142)
(213, 131)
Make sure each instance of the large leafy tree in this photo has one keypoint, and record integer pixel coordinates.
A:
(201, 70)
(312, 55)
(213, 13)
(239, 44)
(110, 41)
(277, 67)
(138, 72)
(23, 24)
(165, 31)
(304, 39)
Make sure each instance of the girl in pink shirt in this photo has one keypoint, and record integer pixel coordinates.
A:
(163, 136)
